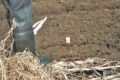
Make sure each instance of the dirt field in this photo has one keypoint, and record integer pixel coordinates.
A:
(92, 25)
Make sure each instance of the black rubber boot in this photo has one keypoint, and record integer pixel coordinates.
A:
(23, 33)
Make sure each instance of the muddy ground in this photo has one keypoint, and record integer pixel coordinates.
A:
(92, 25)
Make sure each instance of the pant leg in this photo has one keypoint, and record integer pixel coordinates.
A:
(23, 33)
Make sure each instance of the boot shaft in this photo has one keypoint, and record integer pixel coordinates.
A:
(23, 33)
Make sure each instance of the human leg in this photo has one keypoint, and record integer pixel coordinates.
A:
(23, 33)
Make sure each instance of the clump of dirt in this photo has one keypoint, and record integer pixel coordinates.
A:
(93, 27)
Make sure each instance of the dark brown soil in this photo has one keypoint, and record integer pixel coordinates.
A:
(92, 25)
